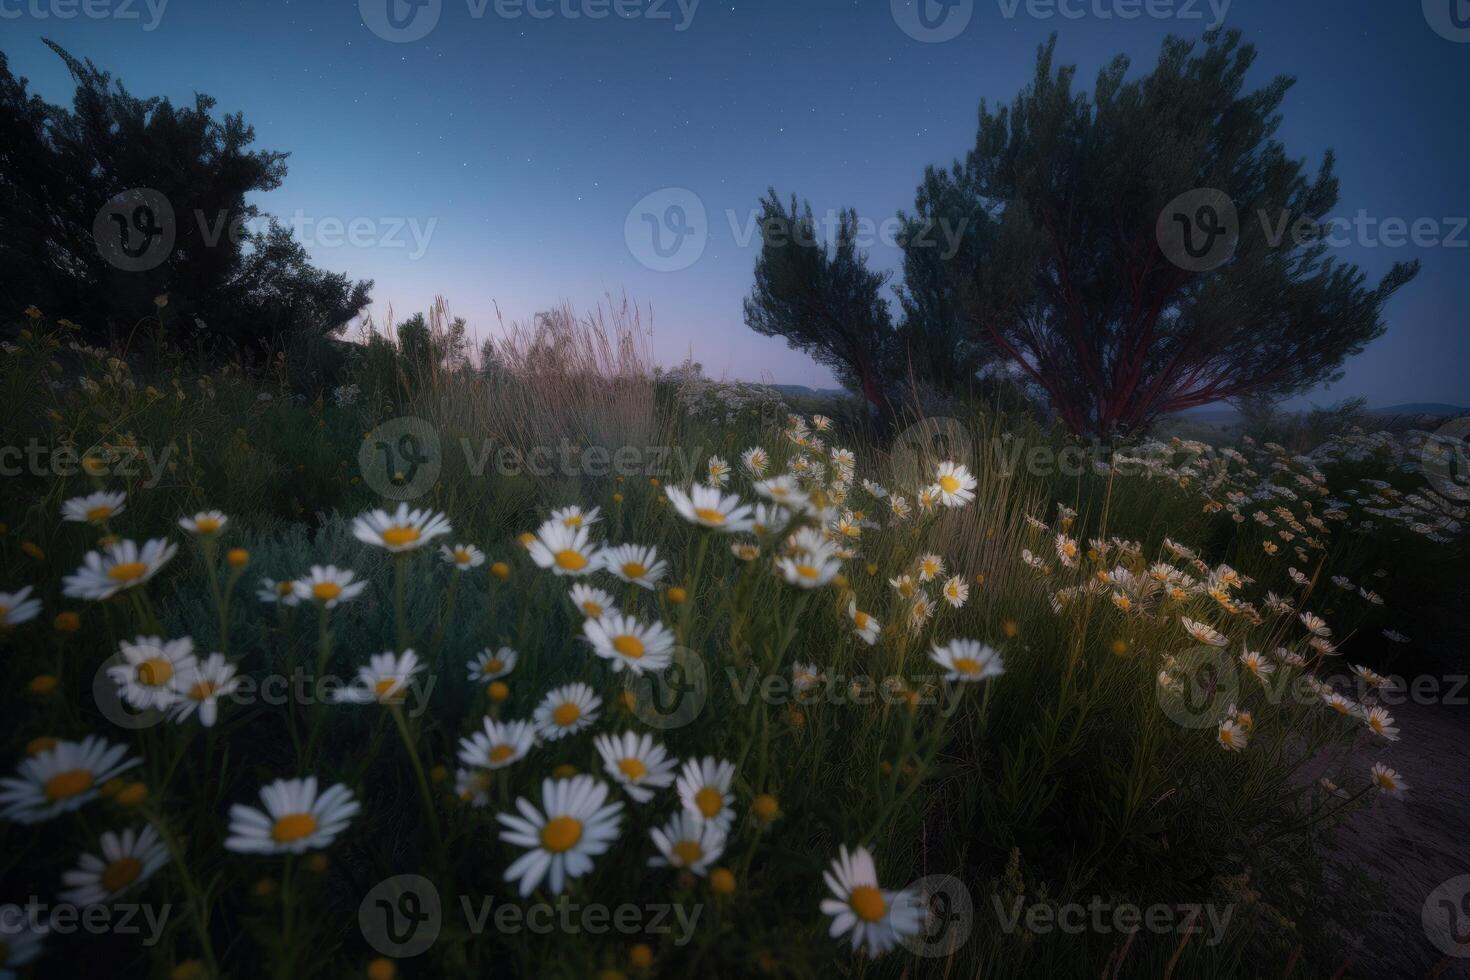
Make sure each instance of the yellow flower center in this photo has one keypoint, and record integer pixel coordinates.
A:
(293, 827)
(709, 515)
(967, 665)
(629, 646)
(709, 801)
(573, 521)
(634, 569)
(128, 571)
(867, 902)
(326, 591)
(206, 525)
(285, 588)
(572, 561)
(203, 691)
(121, 873)
(462, 556)
(65, 785)
(155, 672)
(860, 620)
(99, 513)
(397, 537)
(493, 666)
(561, 834)
(633, 768)
(565, 714)
(808, 571)
(386, 687)
(688, 852)
(500, 753)
(592, 609)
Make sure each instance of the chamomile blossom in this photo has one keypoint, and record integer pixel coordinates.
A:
(201, 685)
(708, 507)
(717, 473)
(489, 665)
(121, 565)
(967, 660)
(575, 516)
(687, 843)
(864, 625)
(18, 607)
(462, 556)
(955, 484)
(1231, 735)
(875, 918)
(328, 585)
(635, 564)
(566, 710)
(564, 549)
(628, 644)
(592, 602)
(498, 745)
(94, 508)
(296, 818)
(272, 592)
(61, 778)
(1202, 632)
(473, 785)
(204, 523)
(636, 762)
(780, 490)
(809, 569)
(956, 591)
(931, 566)
(147, 676)
(402, 531)
(128, 859)
(574, 825)
(755, 461)
(1381, 722)
(704, 790)
(1389, 782)
(384, 680)
(805, 677)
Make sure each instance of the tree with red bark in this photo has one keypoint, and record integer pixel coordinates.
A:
(1152, 248)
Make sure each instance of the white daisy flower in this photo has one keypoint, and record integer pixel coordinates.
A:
(462, 556)
(327, 585)
(592, 602)
(627, 643)
(687, 843)
(708, 507)
(575, 516)
(94, 508)
(204, 523)
(781, 489)
(755, 461)
(128, 859)
(120, 566)
(874, 917)
(500, 744)
(635, 564)
(805, 677)
(704, 790)
(636, 762)
(566, 710)
(147, 677)
(295, 819)
(717, 473)
(17, 608)
(1232, 735)
(473, 786)
(401, 531)
(956, 591)
(1389, 782)
(488, 665)
(899, 506)
(967, 660)
(1315, 625)
(1381, 722)
(769, 519)
(563, 549)
(61, 779)
(810, 569)
(931, 566)
(270, 591)
(200, 687)
(956, 485)
(575, 824)
(385, 680)
(1203, 632)
(864, 625)
(1257, 664)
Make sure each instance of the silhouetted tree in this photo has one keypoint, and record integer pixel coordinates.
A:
(61, 169)
(823, 298)
(1072, 281)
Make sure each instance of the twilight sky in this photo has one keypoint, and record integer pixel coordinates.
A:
(507, 156)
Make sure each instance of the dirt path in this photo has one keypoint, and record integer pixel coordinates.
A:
(1415, 843)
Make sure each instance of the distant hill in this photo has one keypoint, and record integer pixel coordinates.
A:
(1423, 408)
(802, 391)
